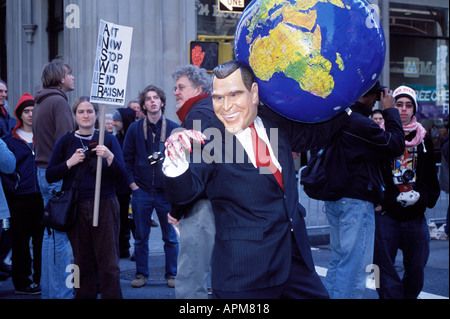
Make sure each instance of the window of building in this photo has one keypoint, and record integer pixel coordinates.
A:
(3, 63)
(419, 59)
(211, 21)
(55, 29)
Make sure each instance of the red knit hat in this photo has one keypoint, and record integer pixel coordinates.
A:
(24, 101)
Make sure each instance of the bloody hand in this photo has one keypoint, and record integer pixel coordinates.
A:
(179, 142)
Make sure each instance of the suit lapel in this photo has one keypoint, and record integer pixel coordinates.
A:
(233, 151)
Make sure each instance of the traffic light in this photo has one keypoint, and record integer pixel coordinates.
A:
(209, 54)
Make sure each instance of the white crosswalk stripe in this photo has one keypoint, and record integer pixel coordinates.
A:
(370, 284)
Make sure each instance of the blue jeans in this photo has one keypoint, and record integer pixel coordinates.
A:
(142, 204)
(55, 252)
(413, 238)
(352, 231)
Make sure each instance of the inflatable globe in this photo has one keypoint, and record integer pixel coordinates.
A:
(312, 58)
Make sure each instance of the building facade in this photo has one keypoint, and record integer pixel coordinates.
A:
(32, 32)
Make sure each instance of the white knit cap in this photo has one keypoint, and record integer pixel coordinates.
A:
(406, 91)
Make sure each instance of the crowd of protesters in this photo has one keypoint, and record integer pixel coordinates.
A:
(45, 143)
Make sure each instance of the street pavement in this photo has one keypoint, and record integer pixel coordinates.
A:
(155, 288)
(436, 285)
(436, 273)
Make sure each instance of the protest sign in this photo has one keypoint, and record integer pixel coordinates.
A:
(109, 81)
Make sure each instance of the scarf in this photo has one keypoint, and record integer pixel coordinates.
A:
(420, 132)
(3, 111)
(184, 110)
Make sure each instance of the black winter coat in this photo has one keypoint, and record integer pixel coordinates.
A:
(427, 185)
(366, 147)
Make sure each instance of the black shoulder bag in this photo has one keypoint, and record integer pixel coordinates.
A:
(61, 210)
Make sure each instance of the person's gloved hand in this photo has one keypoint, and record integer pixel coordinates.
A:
(408, 198)
(179, 142)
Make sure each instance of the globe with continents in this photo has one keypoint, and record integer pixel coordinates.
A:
(312, 59)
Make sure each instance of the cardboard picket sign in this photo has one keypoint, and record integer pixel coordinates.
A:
(109, 81)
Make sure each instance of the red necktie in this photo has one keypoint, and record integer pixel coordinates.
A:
(262, 156)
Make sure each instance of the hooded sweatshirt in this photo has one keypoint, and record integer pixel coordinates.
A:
(128, 116)
(24, 179)
(52, 118)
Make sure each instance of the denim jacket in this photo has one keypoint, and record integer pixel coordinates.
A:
(7, 166)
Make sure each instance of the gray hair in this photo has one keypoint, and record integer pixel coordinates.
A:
(199, 77)
(133, 101)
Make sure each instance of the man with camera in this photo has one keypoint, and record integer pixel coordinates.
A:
(411, 187)
(365, 146)
(143, 151)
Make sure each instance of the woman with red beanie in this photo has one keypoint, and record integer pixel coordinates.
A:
(25, 202)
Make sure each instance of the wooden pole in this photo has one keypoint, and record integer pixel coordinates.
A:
(98, 177)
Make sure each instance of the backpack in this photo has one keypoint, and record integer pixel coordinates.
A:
(326, 175)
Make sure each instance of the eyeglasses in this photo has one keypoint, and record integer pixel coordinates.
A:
(180, 87)
(401, 104)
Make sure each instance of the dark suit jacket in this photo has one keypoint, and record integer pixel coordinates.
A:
(254, 216)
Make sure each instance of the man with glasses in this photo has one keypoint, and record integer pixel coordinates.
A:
(192, 92)
(411, 186)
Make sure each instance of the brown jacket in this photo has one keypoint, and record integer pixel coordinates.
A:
(52, 118)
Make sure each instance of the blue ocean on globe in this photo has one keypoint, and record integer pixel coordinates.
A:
(312, 59)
